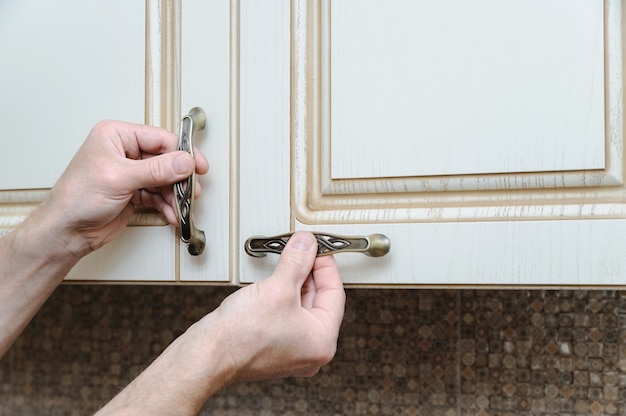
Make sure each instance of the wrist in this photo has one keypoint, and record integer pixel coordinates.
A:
(47, 233)
(35, 258)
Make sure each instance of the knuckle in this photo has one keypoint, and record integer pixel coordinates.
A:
(109, 176)
(156, 171)
(103, 126)
(326, 354)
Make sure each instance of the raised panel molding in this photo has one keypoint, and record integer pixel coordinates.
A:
(319, 198)
(163, 62)
(15, 206)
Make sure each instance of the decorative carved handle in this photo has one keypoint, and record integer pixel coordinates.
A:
(184, 191)
(375, 245)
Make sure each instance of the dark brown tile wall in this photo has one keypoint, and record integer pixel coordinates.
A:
(401, 352)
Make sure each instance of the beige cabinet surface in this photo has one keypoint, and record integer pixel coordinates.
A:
(66, 65)
(484, 139)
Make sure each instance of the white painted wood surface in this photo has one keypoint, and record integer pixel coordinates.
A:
(264, 117)
(66, 65)
(206, 83)
(141, 254)
(422, 88)
(299, 97)
(539, 202)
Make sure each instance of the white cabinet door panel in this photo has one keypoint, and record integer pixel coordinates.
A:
(65, 65)
(537, 253)
(140, 254)
(464, 87)
(486, 141)
(206, 83)
(263, 140)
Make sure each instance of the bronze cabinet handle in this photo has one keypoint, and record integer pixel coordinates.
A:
(184, 190)
(375, 245)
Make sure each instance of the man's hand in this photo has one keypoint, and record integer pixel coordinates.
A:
(119, 165)
(288, 324)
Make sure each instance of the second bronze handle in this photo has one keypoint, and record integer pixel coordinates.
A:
(374, 245)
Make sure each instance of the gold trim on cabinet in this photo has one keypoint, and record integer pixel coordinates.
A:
(162, 77)
(16, 205)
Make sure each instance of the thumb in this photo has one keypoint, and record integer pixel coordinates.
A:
(297, 258)
(160, 170)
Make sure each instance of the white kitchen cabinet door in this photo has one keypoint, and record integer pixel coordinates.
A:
(233, 64)
(485, 139)
(206, 82)
(66, 65)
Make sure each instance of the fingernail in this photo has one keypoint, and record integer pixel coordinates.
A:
(182, 164)
(301, 241)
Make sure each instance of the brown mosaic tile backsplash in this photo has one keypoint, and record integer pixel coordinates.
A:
(401, 352)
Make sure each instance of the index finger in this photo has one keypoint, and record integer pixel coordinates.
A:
(140, 138)
(140, 141)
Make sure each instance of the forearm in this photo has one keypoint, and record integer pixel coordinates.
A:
(180, 381)
(34, 259)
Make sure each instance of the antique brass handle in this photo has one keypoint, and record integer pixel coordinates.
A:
(184, 191)
(375, 245)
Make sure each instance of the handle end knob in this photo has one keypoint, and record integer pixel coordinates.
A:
(379, 245)
(199, 118)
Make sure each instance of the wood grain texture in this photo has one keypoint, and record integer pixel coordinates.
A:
(207, 78)
(264, 130)
(65, 66)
